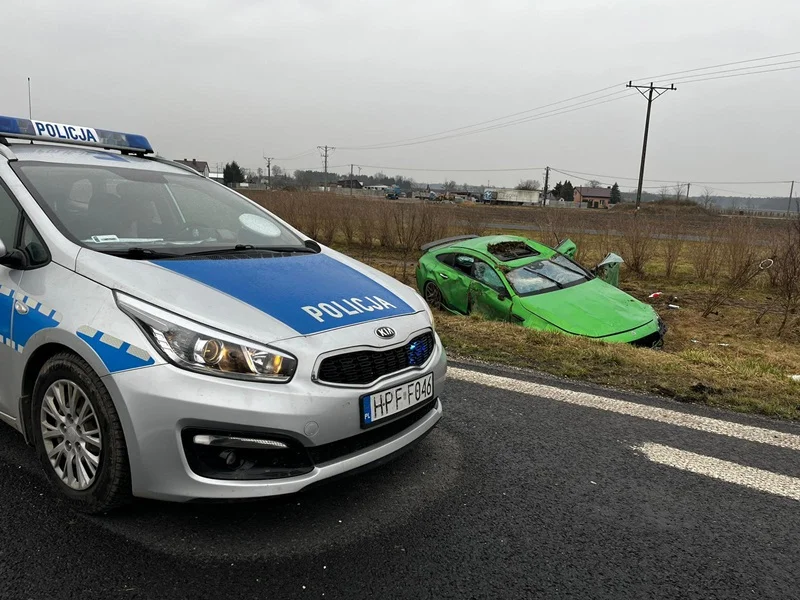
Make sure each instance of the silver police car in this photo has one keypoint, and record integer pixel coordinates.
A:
(163, 336)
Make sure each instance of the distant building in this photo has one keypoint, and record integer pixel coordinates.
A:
(595, 197)
(350, 183)
(200, 166)
(216, 176)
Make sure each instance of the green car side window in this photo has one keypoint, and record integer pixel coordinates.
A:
(447, 259)
(464, 264)
(487, 276)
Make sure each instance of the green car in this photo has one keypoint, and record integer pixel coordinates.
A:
(511, 278)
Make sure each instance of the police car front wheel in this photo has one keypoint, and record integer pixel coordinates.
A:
(78, 435)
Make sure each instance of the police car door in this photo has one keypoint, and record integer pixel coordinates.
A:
(9, 281)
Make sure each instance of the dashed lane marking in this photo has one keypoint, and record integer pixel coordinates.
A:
(723, 470)
(623, 407)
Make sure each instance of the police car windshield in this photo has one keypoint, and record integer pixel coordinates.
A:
(114, 209)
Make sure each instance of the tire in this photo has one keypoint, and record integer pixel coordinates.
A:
(433, 295)
(74, 420)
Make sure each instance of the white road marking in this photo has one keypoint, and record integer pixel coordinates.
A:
(723, 470)
(642, 411)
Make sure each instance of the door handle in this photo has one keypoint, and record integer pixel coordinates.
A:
(443, 276)
(21, 308)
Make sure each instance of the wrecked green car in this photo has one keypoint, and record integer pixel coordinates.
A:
(515, 279)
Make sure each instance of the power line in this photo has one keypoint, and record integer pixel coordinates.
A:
(546, 115)
(299, 155)
(573, 173)
(724, 71)
(452, 170)
(442, 135)
(516, 114)
(730, 64)
(740, 74)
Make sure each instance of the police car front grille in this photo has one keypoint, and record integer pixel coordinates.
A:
(365, 366)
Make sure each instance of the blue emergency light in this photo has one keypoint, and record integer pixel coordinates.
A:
(28, 129)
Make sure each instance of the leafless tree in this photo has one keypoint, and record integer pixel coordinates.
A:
(664, 193)
(707, 198)
(529, 184)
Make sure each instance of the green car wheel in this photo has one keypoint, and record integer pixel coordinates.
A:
(433, 295)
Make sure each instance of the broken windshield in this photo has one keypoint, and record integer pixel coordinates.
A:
(544, 276)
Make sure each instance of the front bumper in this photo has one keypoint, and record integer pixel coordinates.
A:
(157, 404)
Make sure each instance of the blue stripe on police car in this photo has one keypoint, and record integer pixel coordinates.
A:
(310, 293)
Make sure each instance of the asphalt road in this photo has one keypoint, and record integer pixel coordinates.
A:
(528, 488)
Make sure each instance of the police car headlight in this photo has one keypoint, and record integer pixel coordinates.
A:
(198, 348)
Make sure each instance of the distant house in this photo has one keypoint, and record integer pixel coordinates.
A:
(595, 197)
(350, 183)
(200, 166)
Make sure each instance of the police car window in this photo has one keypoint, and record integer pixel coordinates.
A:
(9, 219)
(33, 246)
(112, 208)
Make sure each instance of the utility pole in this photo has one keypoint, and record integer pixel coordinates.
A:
(688, 187)
(269, 172)
(546, 181)
(649, 97)
(30, 106)
(351, 179)
(326, 150)
(789, 207)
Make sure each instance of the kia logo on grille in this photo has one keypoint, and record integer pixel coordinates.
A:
(384, 332)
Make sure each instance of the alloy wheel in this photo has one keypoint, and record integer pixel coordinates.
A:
(433, 295)
(71, 434)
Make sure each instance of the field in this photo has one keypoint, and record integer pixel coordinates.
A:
(732, 342)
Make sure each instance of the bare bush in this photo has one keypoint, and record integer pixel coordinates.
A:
(366, 223)
(673, 244)
(554, 225)
(787, 279)
(348, 219)
(637, 241)
(409, 222)
(385, 229)
(706, 257)
(473, 220)
(730, 286)
(739, 244)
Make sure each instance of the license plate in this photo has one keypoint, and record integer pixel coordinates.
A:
(391, 401)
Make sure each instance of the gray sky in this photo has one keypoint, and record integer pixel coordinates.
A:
(228, 79)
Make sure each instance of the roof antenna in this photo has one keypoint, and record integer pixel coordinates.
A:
(30, 109)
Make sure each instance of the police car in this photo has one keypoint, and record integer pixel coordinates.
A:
(162, 336)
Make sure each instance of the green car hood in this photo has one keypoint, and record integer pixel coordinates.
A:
(592, 309)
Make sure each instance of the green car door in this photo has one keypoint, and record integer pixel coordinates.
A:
(452, 276)
(488, 294)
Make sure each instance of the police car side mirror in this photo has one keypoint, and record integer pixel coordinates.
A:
(15, 259)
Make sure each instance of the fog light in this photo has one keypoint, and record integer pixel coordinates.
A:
(229, 456)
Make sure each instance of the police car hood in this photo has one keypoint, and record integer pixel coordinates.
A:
(264, 299)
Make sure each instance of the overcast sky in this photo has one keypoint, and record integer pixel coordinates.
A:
(231, 79)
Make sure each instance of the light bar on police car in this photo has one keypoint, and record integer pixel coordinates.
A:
(28, 129)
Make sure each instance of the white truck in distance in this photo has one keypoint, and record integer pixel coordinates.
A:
(512, 196)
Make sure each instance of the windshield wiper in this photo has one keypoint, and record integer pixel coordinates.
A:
(137, 253)
(250, 248)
